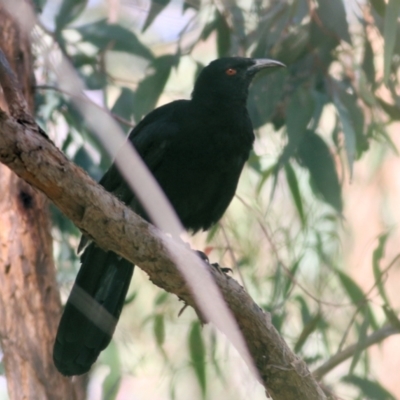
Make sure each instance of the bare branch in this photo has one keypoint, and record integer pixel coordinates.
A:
(348, 352)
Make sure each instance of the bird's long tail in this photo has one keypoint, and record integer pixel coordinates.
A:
(92, 310)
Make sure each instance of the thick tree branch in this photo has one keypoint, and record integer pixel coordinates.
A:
(25, 150)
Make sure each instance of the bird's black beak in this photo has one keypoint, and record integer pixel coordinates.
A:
(262, 63)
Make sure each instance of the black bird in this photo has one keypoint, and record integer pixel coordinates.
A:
(196, 150)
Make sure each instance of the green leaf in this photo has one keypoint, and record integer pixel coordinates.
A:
(112, 381)
(38, 8)
(376, 258)
(380, 131)
(95, 79)
(254, 162)
(371, 390)
(197, 355)
(364, 90)
(379, 6)
(301, 11)
(352, 120)
(151, 87)
(314, 154)
(277, 15)
(155, 8)
(294, 190)
(264, 177)
(294, 45)
(85, 161)
(195, 4)
(159, 329)
(81, 59)
(223, 35)
(308, 329)
(362, 335)
(265, 95)
(389, 35)
(101, 34)
(298, 115)
(130, 298)
(333, 18)
(305, 311)
(289, 279)
(161, 298)
(368, 61)
(393, 111)
(124, 105)
(355, 293)
(69, 10)
(391, 316)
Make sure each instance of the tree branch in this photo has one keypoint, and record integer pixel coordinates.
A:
(115, 227)
(348, 352)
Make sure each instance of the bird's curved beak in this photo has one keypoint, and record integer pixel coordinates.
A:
(262, 63)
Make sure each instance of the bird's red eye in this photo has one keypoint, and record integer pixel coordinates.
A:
(230, 71)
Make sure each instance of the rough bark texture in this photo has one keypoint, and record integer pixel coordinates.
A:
(29, 302)
(26, 150)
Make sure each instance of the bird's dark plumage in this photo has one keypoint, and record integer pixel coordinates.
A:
(196, 150)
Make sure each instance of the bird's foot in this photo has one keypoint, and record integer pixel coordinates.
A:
(205, 258)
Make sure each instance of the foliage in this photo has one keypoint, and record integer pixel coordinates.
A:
(330, 104)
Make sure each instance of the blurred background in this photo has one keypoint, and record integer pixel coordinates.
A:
(313, 232)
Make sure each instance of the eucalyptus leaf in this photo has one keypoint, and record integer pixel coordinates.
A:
(155, 9)
(389, 35)
(333, 18)
(69, 11)
(371, 390)
(197, 355)
(376, 258)
(102, 34)
(368, 61)
(151, 87)
(314, 154)
(294, 190)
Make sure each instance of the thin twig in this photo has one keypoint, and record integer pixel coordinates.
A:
(338, 358)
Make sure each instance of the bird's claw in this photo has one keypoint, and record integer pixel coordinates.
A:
(222, 270)
(205, 258)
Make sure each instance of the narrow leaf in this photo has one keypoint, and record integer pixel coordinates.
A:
(379, 6)
(110, 357)
(333, 17)
(314, 154)
(151, 87)
(294, 190)
(376, 258)
(368, 61)
(159, 329)
(308, 329)
(349, 132)
(389, 35)
(101, 33)
(353, 290)
(391, 316)
(299, 113)
(155, 8)
(69, 10)
(362, 335)
(370, 389)
(197, 355)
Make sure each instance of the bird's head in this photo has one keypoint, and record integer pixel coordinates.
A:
(230, 77)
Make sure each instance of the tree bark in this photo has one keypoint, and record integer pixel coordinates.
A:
(29, 301)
